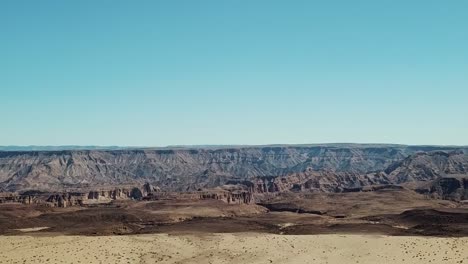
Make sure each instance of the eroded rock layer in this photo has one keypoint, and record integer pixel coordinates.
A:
(239, 172)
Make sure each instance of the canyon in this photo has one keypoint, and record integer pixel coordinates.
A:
(297, 189)
(231, 174)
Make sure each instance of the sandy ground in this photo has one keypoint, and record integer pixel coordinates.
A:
(232, 248)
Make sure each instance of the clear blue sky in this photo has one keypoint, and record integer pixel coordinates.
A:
(155, 73)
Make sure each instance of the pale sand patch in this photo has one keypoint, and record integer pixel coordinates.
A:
(232, 248)
(286, 225)
(32, 229)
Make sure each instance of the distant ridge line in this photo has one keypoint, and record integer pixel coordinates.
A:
(175, 147)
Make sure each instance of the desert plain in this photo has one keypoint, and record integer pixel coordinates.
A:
(388, 226)
(233, 248)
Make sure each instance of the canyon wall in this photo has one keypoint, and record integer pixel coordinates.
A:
(190, 169)
(263, 169)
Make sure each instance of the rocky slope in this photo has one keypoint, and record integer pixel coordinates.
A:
(422, 170)
(425, 166)
(336, 167)
(453, 187)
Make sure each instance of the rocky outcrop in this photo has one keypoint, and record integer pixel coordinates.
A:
(107, 195)
(227, 196)
(73, 197)
(16, 198)
(448, 188)
(134, 193)
(66, 199)
(149, 188)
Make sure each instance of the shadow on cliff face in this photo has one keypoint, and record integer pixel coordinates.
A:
(136, 194)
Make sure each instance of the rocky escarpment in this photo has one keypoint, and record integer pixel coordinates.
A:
(318, 181)
(325, 168)
(229, 195)
(440, 172)
(182, 169)
(102, 195)
(72, 197)
(424, 166)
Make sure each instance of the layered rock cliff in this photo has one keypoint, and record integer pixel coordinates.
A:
(229, 195)
(433, 168)
(336, 167)
(425, 166)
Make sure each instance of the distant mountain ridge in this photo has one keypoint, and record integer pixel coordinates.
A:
(325, 167)
(58, 148)
(116, 147)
